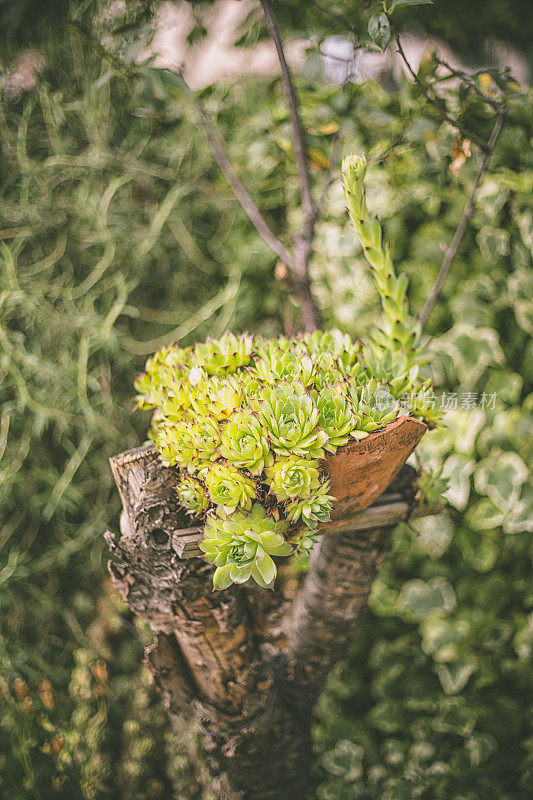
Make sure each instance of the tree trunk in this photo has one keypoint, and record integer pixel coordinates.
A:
(246, 663)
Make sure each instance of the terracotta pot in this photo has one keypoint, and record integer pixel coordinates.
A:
(362, 470)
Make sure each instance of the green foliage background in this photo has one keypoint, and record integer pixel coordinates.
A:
(118, 234)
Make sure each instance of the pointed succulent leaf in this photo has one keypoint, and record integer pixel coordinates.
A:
(222, 577)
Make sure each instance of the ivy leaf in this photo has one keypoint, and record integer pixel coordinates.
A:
(500, 477)
(484, 515)
(480, 746)
(379, 30)
(345, 760)
(458, 468)
(423, 599)
(435, 534)
(454, 677)
(455, 716)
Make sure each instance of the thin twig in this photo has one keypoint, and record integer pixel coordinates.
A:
(303, 242)
(292, 102)
(239, 191)
(458, 73)
(463, 222)
(439, 106)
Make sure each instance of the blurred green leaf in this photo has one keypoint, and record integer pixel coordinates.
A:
(379, 30)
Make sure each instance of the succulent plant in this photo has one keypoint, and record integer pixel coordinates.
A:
(396, 332)
(224, 355)
(228, 487)
(291, 420)
(215, 397)
(245, 443)
(241, 546)
(152, 383)
(284, 365)
(313, 509)
(336, 417)
(192, 496)
(207, 438)
(175, 442)
(305, 543)
(293, 476)
(248, 418)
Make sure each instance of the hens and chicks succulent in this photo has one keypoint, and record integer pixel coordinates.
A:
(247, 421)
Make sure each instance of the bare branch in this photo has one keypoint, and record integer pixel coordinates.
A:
(463, 222)
(292, 101)
(458, 73)
(239, 191)
(439, 106)
(303, 242)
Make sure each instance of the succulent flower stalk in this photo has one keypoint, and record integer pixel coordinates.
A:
(397, 331)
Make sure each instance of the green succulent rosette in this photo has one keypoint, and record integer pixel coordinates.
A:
(214, 396)
(291, 420)
(244, 443)
(177, 398)
(241, 546)
(283, 365)
(374, 405)
(175, 442)
(305, 544)
(228, 487)
(293, 477)
(206, 434)
(160, 369)
(336, 417)
(313, 509)
(192, 496)
(225, 355)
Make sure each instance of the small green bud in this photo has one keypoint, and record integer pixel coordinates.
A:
(192, 496)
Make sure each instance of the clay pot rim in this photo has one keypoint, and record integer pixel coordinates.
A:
(352, 446)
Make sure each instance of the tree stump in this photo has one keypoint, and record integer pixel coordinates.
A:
(247, 663)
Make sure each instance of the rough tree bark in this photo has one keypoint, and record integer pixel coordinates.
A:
(248, 664)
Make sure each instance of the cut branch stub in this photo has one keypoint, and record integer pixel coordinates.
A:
(246, 663)
(206, 659)
(175, 595)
